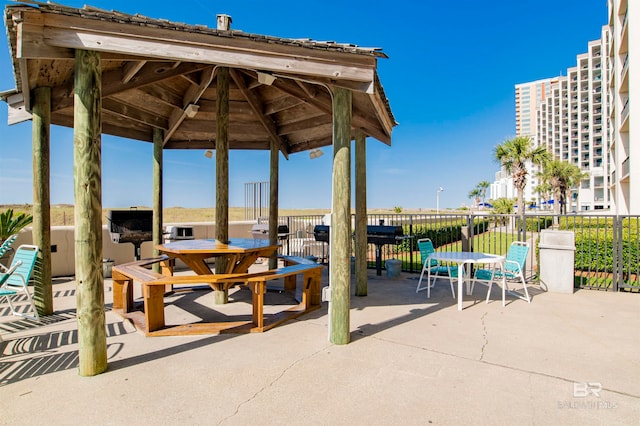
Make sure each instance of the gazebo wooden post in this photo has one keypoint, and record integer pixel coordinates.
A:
(158, 140)
(41, 228)
(222, 171)
(361, 214)
(92, 340)
(273, 200)
(340, 235)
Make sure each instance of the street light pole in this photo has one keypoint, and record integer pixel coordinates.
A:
(438, 199)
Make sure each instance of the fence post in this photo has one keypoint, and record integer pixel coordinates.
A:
(411, 246)
(466, 234)
(617, 254)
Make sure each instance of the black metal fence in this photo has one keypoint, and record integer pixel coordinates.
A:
(606, 257)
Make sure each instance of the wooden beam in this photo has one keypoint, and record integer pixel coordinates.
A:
(256, 105)
(131, 69)
(130, 112)
(322, 101)
(62, 96)
(190, 99)
(340, 245)
(77, 33)
(361, 214)
(274, 170)
(92, 339)
(41, 228)
(158, 140)
(222, 171)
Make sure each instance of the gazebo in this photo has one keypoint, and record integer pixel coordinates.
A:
(181, 86)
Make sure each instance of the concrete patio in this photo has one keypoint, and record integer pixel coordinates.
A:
(563, 359)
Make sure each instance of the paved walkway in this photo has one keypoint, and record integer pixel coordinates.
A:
(563, 359)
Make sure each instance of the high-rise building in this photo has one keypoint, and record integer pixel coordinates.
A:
(529, 96)
(584, 118)
(624, 80)
(571, 123)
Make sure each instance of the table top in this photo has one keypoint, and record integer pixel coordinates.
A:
(235, 245)
(465, 256)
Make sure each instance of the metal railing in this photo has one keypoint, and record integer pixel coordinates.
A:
(607, 247)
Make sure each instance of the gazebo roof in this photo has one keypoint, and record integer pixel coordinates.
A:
(161, 74)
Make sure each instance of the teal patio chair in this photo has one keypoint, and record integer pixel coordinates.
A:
(514, 267)
(433, 267)
(5, 247)
(14, 282)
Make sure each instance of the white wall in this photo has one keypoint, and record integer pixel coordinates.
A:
(62, 237)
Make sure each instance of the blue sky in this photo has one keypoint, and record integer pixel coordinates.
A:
(450, 80)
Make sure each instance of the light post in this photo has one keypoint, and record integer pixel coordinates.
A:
(438, 199)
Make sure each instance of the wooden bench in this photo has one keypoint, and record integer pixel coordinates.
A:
(152, 320)
(311, 276)
(123, 276)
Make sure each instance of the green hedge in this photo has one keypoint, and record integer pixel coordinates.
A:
(440, 235)
(594, 250)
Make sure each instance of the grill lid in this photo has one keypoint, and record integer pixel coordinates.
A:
(130, 226)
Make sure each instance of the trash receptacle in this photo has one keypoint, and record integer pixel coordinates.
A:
(107, 266)
(393, 267)
(557, 252)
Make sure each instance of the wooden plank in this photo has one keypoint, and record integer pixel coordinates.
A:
(154, 307)
(62, 96)
(92, 339)
(130, 112)
(257, 303)
(77, 33)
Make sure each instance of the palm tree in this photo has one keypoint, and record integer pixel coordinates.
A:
(474, 194)
(482, 186)
(562, 176)
(513, 154)
(10, 224)
(543, 189)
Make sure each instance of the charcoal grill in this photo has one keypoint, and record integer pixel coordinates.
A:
(381, 235)
(131, 226)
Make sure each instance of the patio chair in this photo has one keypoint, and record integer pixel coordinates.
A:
(433, 267)
(514, 267)
(15, 281)
(5, 247)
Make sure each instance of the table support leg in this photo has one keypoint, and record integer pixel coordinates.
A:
(460, 282)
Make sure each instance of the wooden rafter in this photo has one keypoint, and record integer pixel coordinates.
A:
(322, 102)
(62, 96)
(190, 99)
(256, 105)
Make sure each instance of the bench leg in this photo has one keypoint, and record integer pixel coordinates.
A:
(257, 300)
(166, 269)
(122, 292)
(311, 291)
(154, 307)
(290, 283)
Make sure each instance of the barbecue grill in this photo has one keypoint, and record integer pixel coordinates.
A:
(261, 231)
(381, 235)
(321, 233)
(131, 226)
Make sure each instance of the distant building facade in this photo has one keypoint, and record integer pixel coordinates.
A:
(624, 177)
(584, 118)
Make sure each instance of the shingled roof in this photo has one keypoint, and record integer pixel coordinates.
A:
(161, 74)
